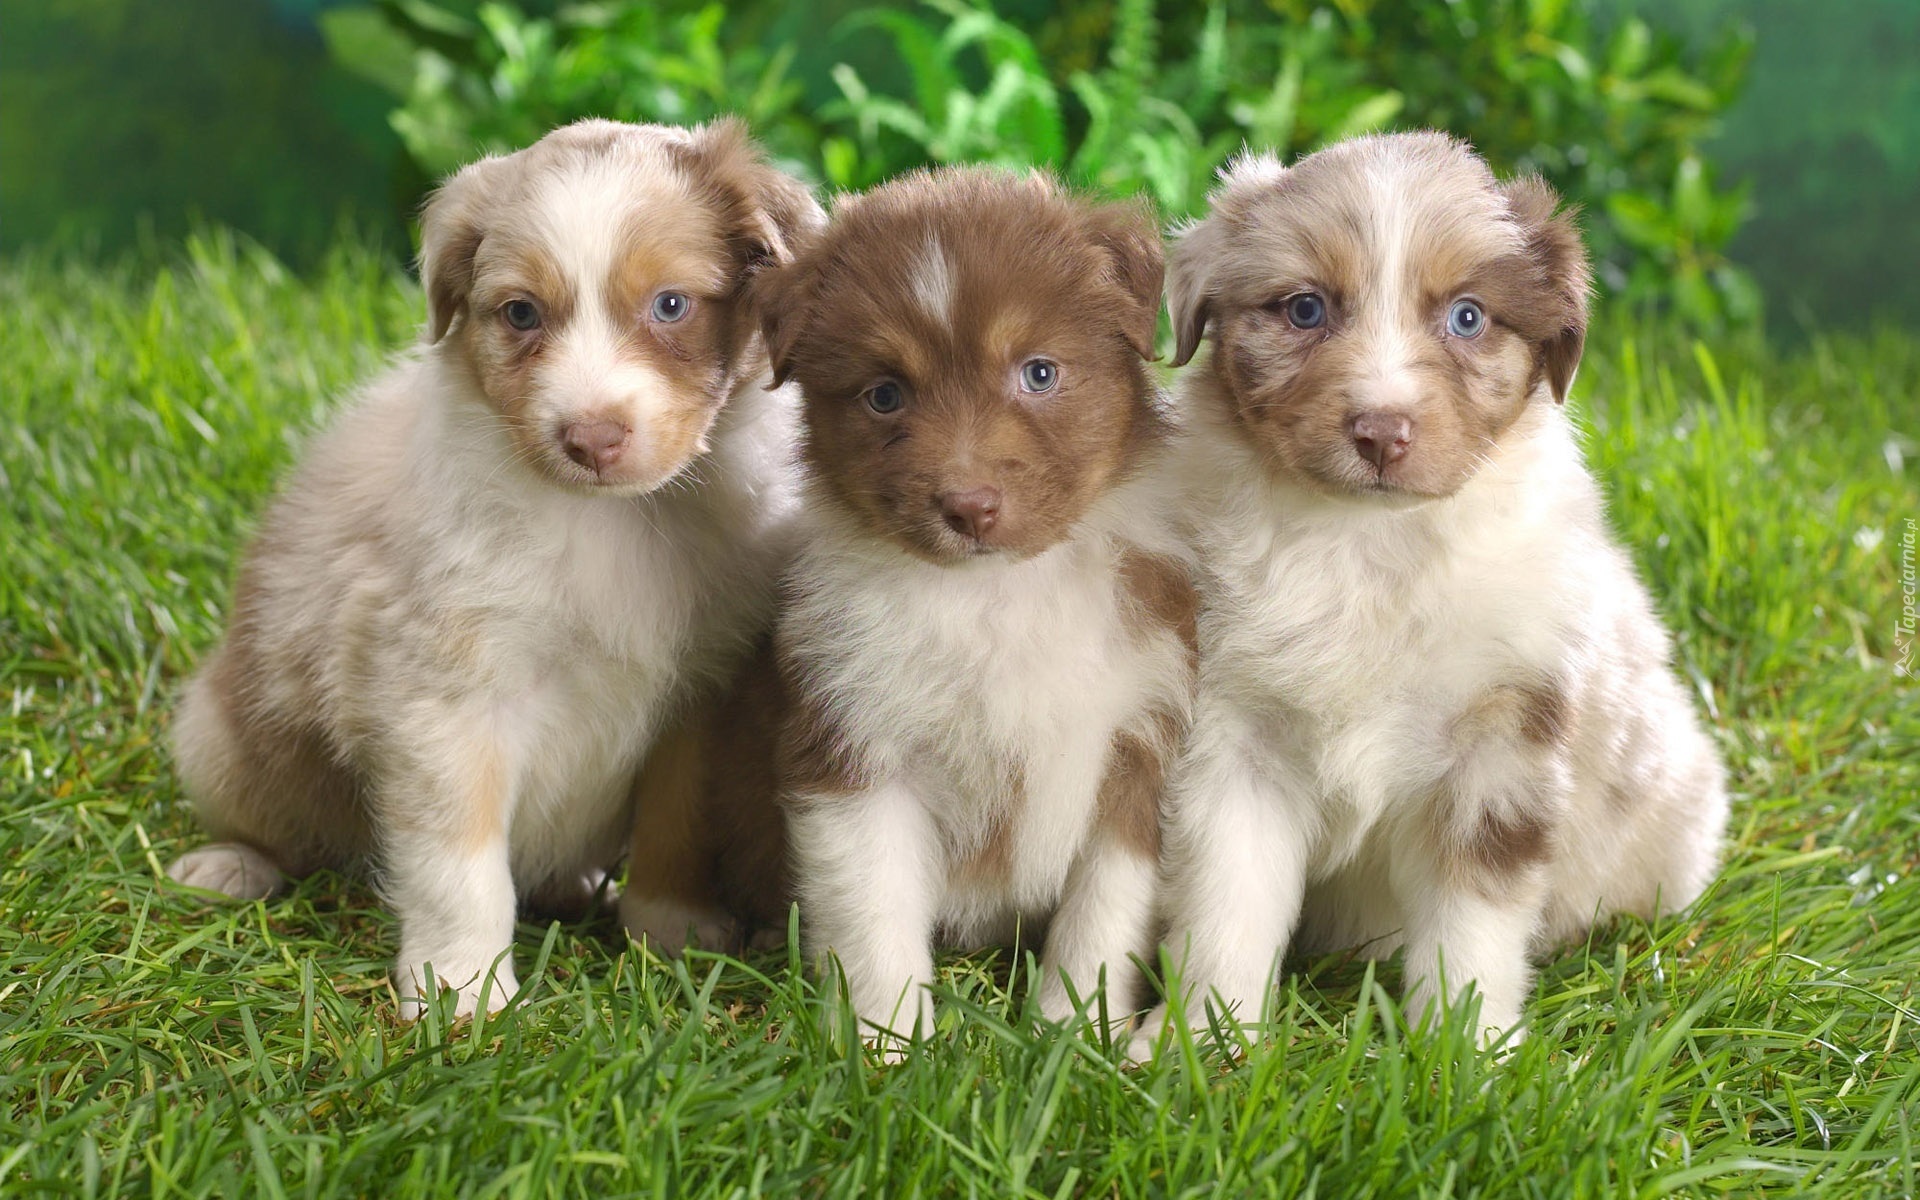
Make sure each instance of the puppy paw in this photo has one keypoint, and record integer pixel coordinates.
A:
(233, 869)
(886, 1049)
(572, 897)
(1144, 1042)
(467, 982)
(670, 926)
(767, 937)
(892, 1042)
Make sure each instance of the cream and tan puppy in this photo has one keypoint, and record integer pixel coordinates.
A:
(985, 657)
(1436, 708)
(461, 623)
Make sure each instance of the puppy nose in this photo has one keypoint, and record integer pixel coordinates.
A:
(596, 445)
(971, 512)
(1382, 437)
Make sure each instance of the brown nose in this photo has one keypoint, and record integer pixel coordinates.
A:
(971, 512)
(596, 445)
(1382, 437)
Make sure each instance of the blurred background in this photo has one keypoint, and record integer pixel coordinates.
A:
(1740, 162)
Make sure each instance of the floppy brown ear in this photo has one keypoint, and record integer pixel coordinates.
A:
(1558, 254)
(1131, 238)
(782, 296)
(767, 214)
(1190, 271)
(1193, 265)
(451, 229)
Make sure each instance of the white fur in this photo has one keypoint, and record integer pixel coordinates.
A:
(455, 619)
(933, 282)
(947, 681)
(1341, 640)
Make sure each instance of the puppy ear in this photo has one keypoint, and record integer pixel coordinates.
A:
(1554, 247)
(1130, 236)
(767, 214)
(1198, 249)
(1190, 284)
(451, 228)
(782, 294)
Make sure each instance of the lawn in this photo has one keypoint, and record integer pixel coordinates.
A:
(1767, 1042)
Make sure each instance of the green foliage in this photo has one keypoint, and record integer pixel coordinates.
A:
(1138, 97)
(124, 119)
(1765, 1043)
(498, 79)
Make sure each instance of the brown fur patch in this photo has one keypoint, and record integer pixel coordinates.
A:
(485, 823)
(992, 863)
(1506, 846)
(1545, 716)
(1484, 850)
(1538, 714)
(814, 757)
(1031, 272)
(1131, 792)
(1162, 596)
(708, 827)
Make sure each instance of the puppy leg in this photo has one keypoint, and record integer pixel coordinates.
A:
(448, 876)
(1457, 936)
(269, 792)
(1106, 914)
(870, 873)
(1105, 918)
(1236, 876)
(669, 901)
(1474, 890)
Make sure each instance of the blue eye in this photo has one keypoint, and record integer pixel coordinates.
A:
(1466, 319)
(669, 307)
(1307, 311)
(521, 314)
(1039, 375)
(885, 398)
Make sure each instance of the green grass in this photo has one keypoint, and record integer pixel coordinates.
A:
(1767, 1043)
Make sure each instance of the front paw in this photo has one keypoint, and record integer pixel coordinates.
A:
(892, 1039)
(670, 926)
(1497, 1025)
(476, 986)
(233, 869)
(1144, 1043)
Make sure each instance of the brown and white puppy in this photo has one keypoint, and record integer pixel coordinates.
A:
(461, 623)
(1436, 708)
(985, 653)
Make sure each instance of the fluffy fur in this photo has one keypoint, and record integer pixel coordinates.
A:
(461, 623)
(986, 648)
(1436, 709)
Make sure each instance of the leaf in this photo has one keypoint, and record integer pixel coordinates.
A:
(1370, 114)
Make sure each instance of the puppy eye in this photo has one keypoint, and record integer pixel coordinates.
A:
(1039, 375)
(885, 398)
(1466, 319)
(669, 307)
(1306, 311)
(521, 314)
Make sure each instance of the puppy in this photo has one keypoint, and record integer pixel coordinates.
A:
(1436, 708)
(986, 651)
(459, 627)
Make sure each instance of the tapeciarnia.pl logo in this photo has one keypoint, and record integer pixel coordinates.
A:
(1903, 628)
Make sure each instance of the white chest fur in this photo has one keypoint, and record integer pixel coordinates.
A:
(991, 692)
(1352, 634)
